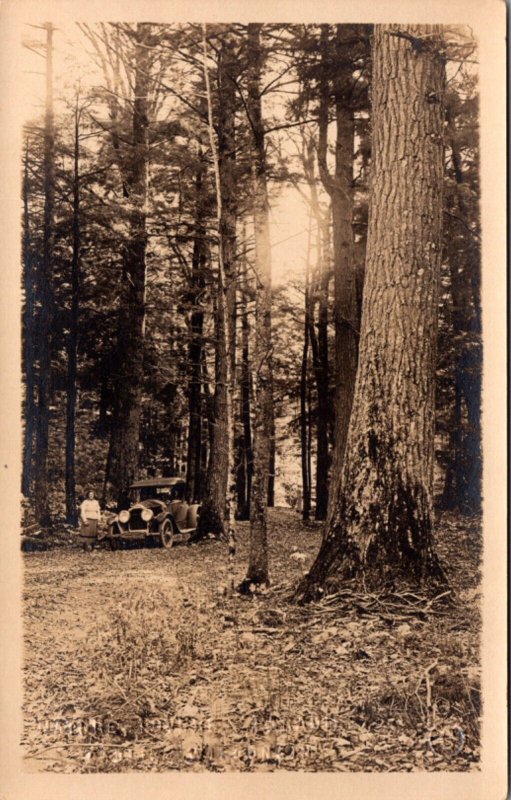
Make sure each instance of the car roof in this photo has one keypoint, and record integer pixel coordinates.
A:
(147, 482)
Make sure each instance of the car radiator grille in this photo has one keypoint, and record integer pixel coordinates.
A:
(136, 523)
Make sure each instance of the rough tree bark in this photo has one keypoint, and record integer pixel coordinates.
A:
(220, 467)
(381, 533)
(72, 344)
(257, 572)
(124, 441)
(46, 299)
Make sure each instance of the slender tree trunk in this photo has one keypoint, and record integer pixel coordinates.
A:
(273, 464)
(247, 454)
(209, 422)
(29, 279)
(71, 512)
(304, 439)
(304, 417)
(319, 342)
(310, 425)
(241, 474)
(257, 572)
(380, 533)
(212, 517)
(221, 461)
(321, 368)
(124, 441)
(46, 312)
(196, 344)
(340, 188)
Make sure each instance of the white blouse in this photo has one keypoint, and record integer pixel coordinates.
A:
(90, 509)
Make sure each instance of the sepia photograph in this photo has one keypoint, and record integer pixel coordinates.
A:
(253, 476)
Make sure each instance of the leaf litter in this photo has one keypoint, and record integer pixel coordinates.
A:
(142, 660)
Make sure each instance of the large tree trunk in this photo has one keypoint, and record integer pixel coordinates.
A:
(29, 278)
(193, 479)
(381, 530)
(257, 572)
(340, 189)
(213, 510)
(46, 299)
(124, 441)
(71, 511)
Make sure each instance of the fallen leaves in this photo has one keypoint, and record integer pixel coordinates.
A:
(138, 661)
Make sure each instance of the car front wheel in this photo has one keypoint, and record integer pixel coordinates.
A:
(167, 534)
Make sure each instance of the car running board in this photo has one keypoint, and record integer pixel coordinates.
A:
(185, 530)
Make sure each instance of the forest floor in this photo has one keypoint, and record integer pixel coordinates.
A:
(139, 660)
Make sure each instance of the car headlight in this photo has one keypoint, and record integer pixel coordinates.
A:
(146, 514)
(124, 516)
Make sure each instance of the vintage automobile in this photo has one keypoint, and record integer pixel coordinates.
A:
(159, 514)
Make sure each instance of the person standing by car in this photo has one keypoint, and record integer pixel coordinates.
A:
(90, 515)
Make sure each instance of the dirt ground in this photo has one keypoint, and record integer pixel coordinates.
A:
(140, 660)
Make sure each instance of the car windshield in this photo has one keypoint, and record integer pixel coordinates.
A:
(164, 493)
(156, 492)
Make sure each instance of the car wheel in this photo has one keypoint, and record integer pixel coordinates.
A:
(167, 534)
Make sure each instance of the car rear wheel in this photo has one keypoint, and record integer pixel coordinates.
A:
(167, 534)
